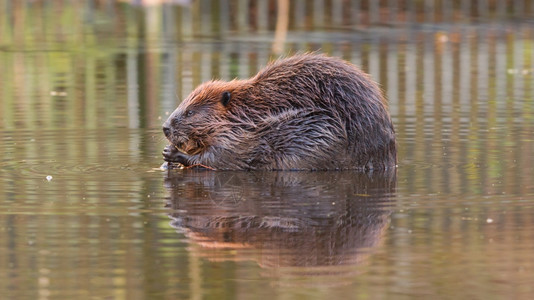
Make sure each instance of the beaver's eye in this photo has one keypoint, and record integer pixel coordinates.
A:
(189, 113)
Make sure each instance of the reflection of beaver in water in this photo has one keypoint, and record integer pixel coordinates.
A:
(286, 219)
(304, 112)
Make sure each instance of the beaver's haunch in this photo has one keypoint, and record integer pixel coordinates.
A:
(306, 112)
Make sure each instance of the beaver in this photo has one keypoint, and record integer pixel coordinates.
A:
(305, 112)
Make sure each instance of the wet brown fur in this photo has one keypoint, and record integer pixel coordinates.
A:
(306, 112)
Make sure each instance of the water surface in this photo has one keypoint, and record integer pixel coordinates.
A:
(86, 213)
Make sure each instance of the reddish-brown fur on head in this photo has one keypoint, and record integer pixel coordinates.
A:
(304, 112)
(202, 115)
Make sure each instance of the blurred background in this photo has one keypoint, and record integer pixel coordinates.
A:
(129, 63)
(86, 85)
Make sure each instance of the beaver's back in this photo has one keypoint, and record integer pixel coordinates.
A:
(349, 105)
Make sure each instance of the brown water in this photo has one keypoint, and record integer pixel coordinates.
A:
(86, 213)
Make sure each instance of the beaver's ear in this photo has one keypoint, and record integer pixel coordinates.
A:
(225, 98)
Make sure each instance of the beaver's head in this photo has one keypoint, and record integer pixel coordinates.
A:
(192, 127)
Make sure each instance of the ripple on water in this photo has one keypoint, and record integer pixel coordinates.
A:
(111, 153)
(60, 172)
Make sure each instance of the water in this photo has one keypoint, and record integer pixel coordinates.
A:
(86, 213)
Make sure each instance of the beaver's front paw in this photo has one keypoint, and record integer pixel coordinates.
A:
(172, 155)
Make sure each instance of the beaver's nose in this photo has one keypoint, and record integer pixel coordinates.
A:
(166, 131)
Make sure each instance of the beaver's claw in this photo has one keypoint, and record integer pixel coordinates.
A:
(172, 155)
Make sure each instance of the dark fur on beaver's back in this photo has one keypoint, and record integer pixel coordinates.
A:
(306, 112)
